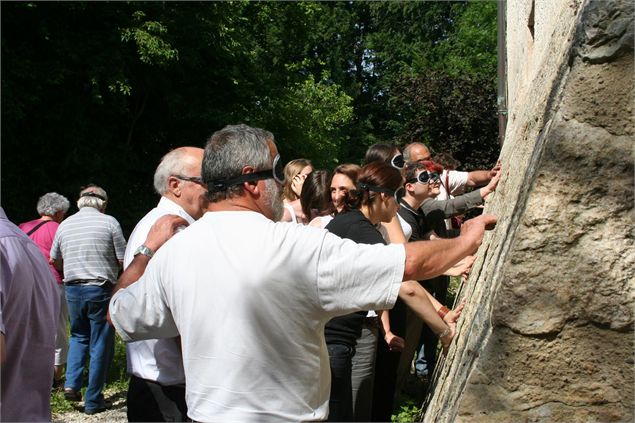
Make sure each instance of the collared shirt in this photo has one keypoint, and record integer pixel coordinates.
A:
(250, 299)
(29, 307)
(159, 360)
(91, 244)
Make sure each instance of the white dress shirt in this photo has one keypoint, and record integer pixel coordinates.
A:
(158, 360)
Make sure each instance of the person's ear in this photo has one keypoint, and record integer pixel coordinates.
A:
(251, 186)
(174, 185)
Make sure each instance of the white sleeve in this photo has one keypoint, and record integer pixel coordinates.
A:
(140, 311)
(55, 251)
(353, 277)
(457, 181)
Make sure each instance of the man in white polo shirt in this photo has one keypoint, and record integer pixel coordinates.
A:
(157, 382)
(250, 297)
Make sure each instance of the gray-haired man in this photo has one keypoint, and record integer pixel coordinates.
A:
(157, 381)
(250, 297)
(89, 247)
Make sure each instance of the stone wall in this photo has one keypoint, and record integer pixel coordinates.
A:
(547, 334)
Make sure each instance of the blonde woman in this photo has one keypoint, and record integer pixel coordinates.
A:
(295, 173)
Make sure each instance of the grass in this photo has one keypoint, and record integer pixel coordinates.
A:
(117, 381)
(407, 411)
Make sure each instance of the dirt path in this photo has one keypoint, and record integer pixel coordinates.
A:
(116, 414)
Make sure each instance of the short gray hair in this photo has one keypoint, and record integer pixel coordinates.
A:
(173, 163)
(86, 199)
(51, 203)
(229, 150)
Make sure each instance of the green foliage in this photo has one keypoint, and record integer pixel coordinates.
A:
(308, 116)
(456, 115)
(471, 49)
(99, 91)
(407, 411)
(147, 35)
(59, 403)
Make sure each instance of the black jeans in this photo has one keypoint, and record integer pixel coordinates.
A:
(149, 401)
(341, 401)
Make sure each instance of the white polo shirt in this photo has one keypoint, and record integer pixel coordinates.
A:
(250, 299)
(159, 360)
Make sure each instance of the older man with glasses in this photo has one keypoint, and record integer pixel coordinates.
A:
(156, 391)
(250, 297)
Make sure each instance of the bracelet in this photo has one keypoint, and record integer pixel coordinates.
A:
(443, 311)
(445, 333)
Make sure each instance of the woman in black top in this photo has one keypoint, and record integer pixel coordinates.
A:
(370, 204)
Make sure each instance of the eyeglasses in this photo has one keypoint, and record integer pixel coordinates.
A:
(425, 177)
(276, 172)
(195, 179)
(398, 161)
(396, 194)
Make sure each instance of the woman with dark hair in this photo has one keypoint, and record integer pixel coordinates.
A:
(386, 153)
(372, 202)
(343, 180)
(315, 198)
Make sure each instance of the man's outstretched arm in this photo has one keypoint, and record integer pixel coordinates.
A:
(428, 259)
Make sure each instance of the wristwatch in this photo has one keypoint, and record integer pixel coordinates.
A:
(144, 250)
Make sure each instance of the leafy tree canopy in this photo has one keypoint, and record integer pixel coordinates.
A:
(98, 92)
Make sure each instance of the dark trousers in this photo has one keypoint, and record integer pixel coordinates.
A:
(341, 400)
(386, 365)
(151, 402)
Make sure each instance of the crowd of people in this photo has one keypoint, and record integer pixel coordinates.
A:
(250, 292)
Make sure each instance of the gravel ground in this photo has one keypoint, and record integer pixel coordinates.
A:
(116, 414)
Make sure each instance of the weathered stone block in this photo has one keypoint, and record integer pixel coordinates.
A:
(547, 334)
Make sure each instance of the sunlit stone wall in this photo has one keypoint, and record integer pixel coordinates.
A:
(547, 334)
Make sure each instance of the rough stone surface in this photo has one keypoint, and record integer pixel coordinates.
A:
(608, 30)
(547, 334)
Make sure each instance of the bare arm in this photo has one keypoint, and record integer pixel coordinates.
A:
(395, 343)
(394, 231)
(58, 264)
(414, 295)
(461, 268)
(478, 178)
(491, 186)
(427, 259)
